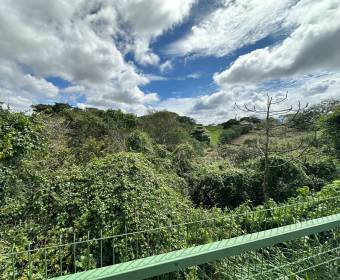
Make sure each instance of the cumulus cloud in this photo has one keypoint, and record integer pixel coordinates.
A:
(220, 106)
(166, 66)
(306, 63)
(84, 43)
(312, 46)
(234, 24)
(73, 89)
(20, 90)
(148, 19)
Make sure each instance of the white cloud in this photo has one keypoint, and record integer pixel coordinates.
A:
(312, 46)
(234, 24)
(73, 89)
(21, 90)
(220, 106)
(148, 19)
(83, 42)
(166, 66)
(153, 77)
(306, 63)
(195, 75)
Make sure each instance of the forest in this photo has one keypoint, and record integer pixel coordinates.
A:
(66, 170)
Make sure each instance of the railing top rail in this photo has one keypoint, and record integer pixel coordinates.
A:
(180, 259)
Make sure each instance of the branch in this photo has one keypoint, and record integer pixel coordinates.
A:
(278, 101)
(290, 150)
(247, 109)
(282, 110)
(293, 158)
(259, 147)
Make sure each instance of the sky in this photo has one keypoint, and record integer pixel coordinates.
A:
(194, 57)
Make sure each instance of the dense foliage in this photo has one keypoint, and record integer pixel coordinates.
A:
(19, 135)
(65, 170)
(331, 127)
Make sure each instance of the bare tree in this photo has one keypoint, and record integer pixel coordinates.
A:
(270, 126)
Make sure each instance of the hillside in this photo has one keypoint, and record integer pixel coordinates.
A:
(65, 170)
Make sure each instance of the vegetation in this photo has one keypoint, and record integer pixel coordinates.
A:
(201, 134)
(214, 133)
(331, 128)
(65, 170)
(270, 130)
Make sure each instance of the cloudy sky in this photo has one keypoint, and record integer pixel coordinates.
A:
(194, 57)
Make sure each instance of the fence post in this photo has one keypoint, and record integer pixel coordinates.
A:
(113, 245)
(45, 262)
(74, 252)
(13, 261)
(60, 256)
(101, 248)
(29, 262)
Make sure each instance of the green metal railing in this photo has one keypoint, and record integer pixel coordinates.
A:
(178, 260)
(84, 252)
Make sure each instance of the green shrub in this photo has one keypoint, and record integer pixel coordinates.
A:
(222, 186)
(161, 151)
(330, 124)
(118, 192)
(230, 123)
(229, 134)
(233, 132)
(138, 141)
(167, 128)
(182, 158)
(200, 134)
(285, 176)
(320, 169)
(19, 134)
(237, 154)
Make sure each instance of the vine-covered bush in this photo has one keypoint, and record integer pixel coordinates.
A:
(238, 154)
(223, 186)
(138, 141)
(330, 124)
(320, 169)
(285, 176)
(182, 158)
(19, 134)
(114, 172)
(119, 193)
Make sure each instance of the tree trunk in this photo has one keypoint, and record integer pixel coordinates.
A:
(266, 153)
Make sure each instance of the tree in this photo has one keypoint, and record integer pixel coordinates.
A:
(201, 134)
(51, 109)
(273, 110)
(330, 124)
(230, 123)
(138, 141)
(251, 119)
(307, 120)
(166, 128)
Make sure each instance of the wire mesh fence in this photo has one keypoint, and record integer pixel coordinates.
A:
(74, 252)
(311, 257)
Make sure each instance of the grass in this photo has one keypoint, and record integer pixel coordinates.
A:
(214, 132)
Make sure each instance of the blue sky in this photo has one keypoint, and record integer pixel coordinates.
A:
(194, 57)
(193, 77)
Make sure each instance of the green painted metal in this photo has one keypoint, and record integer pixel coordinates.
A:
(180, 259)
